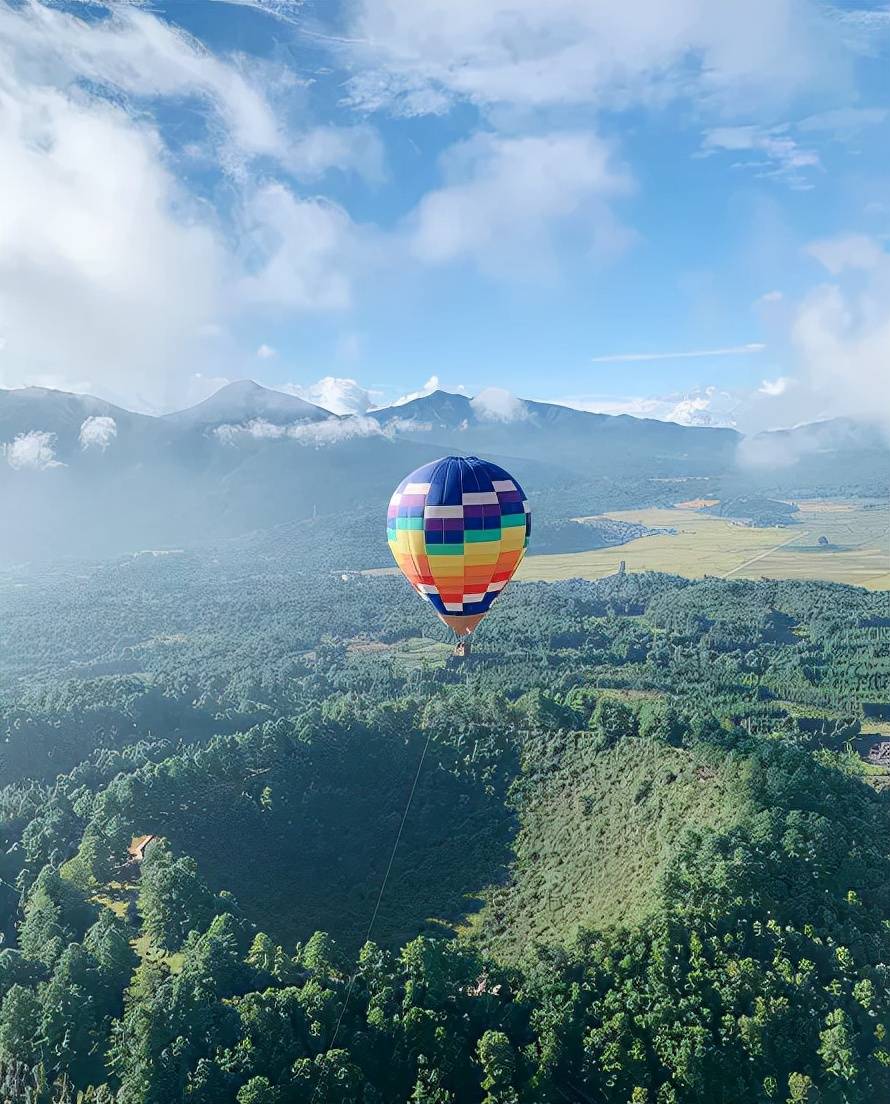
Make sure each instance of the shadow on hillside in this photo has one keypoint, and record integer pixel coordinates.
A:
(314, 853)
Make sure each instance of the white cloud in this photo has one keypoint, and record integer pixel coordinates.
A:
(266, 352)
(88, 263)
(726, 350)
(862, 29)
(136, 54)
(769, 297)
(431, 385)
(98, 431)
(347, 148)
(775, 387)
(340, 396)
(829, 382)
(285, 10)
(844, 122)
(331, 431)
(34, 450)
(505, 198)
(772, 451)
(775, 152)
(420, 56)
(304, 251)
(856, 251)
(494, 404)
(115, 288)
(197, 388)
(701, 410)
(406, 425)
(840, 333)
(779, 450)
(706, 406)
(783, 150)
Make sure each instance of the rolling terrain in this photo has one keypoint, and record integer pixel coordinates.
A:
(633, 813)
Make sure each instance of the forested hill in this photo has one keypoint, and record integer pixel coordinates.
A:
(642, 861)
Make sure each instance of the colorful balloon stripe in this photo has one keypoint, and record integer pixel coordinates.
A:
(458, 529)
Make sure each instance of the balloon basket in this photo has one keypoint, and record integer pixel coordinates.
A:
(461, 649)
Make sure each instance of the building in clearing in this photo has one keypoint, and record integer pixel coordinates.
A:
(139, 845)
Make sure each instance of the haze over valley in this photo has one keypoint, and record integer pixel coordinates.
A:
(84, 478)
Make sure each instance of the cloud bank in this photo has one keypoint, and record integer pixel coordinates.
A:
(494, 404)
(98, 432)
(331, 431)
(840, 332)
(421, 56)
(35, 451)
(122, 288)
(339, 395)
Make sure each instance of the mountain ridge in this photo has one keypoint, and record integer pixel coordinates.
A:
(248, 399)
(88, 478)
(244, 400)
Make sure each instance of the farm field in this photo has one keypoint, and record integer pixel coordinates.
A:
(858, 550)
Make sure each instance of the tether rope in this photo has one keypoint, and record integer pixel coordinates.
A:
(373, 919)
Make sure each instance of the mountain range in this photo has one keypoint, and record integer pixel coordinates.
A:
(80, 476)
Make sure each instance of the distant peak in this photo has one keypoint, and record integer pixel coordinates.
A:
(241, 400)
(240, 387)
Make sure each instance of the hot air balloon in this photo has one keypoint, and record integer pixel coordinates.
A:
(458, 529)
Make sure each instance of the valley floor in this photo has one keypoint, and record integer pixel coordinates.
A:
(858, 551)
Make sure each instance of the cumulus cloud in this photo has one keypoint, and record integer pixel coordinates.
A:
(420, 56)
(768, 452)
(340, 396)
(785, 448)
(505, 198)
(706, 406)
(356, 149)
(98, 432)
(832, 347)
(96, 274)
(431, 385)
(34, 450)
(88, 263)
(406, 425)
(331, 431)
(775, 387)
(265, 352)
(494, 404)
(302, 250)
(848, 251)
(772, 404)
(840, 333)
(136, 54)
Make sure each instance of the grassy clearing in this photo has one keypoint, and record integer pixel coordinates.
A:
(596, 834)
(858, 550)
(416, 651)
(118, 896)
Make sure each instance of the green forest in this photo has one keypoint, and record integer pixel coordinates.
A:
(630, 851)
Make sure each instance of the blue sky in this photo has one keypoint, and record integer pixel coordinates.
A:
(667, 207)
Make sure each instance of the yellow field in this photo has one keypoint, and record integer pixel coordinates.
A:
(706, 545)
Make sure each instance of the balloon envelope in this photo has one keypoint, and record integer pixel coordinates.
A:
(458, 529)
